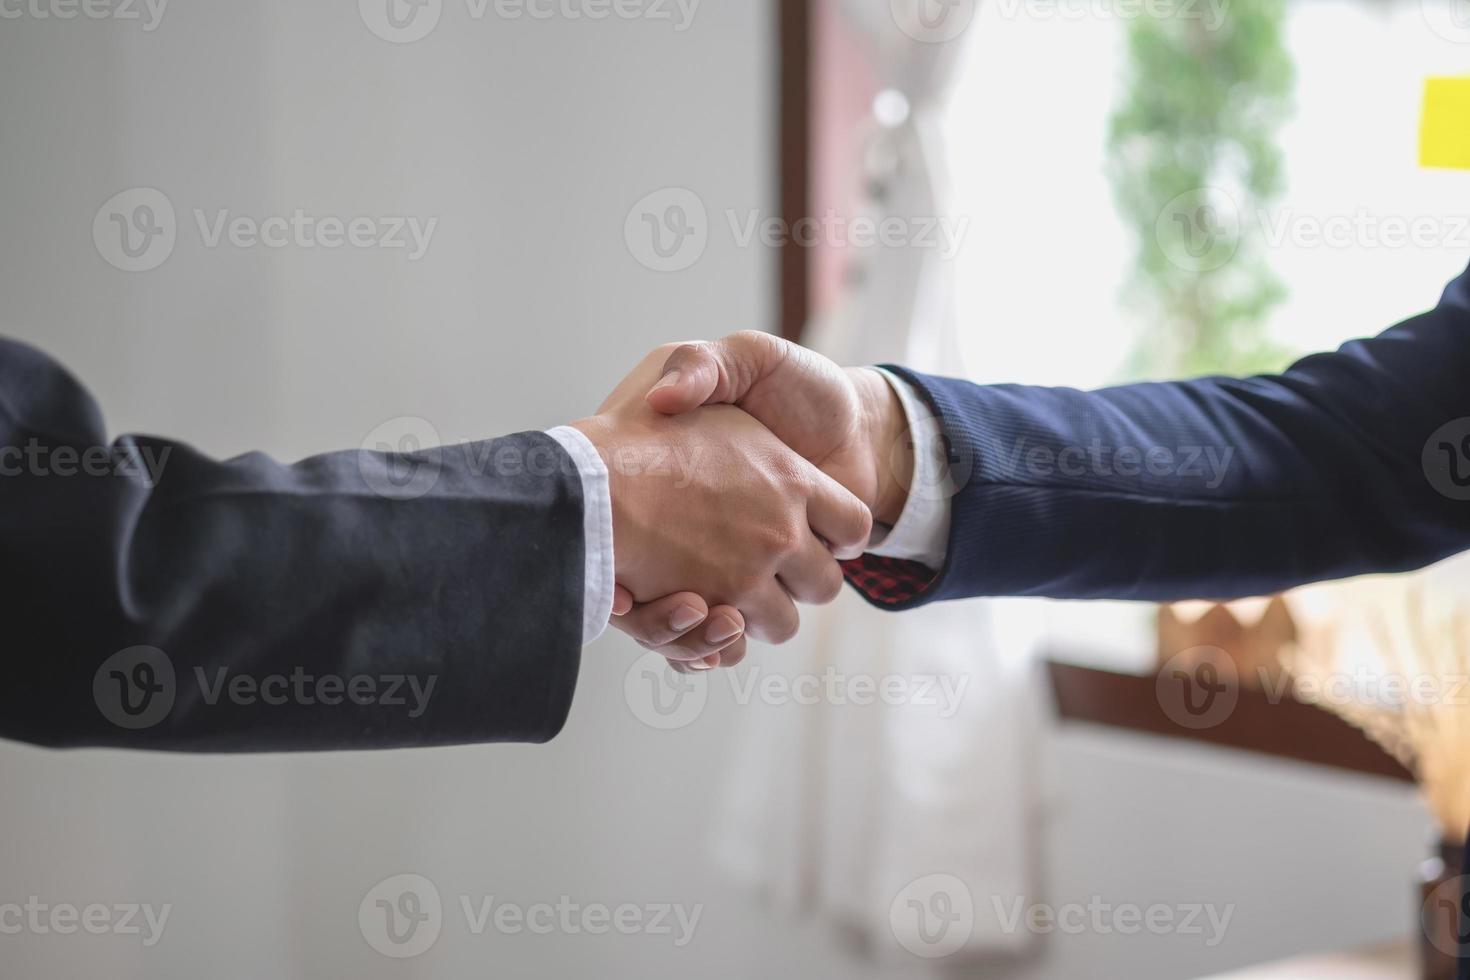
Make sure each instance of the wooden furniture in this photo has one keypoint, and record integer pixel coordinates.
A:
(1397, 961)
(1285, 728)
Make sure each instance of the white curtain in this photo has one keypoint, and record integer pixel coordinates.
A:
(841, 807)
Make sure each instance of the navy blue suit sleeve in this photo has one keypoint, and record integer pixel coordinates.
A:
(160, 599)
(1349, 462)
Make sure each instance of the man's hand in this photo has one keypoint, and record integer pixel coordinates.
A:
(848, 422)
(712, 502)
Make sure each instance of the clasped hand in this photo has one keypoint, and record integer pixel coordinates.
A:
(740, 471)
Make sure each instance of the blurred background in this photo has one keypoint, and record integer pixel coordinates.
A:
(307, 227)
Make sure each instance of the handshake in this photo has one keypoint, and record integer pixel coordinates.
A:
(786, 462)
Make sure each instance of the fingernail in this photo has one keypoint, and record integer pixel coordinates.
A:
(722, 629)
(667, 381)
(685, 617)
(698, 665)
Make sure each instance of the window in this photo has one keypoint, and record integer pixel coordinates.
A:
(1358, 236)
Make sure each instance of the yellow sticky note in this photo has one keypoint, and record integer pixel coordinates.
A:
(1444, 132)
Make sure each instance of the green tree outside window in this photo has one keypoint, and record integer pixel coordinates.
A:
(1193, 160)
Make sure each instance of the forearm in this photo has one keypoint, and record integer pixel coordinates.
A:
(1214, 487)
(354, 600)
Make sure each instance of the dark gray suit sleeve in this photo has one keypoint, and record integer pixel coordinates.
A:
(159, 599)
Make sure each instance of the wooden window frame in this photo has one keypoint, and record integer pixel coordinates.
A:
(794, 166)
(1288, 729)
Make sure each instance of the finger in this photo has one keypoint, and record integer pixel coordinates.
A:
(811, 573)
(838, 517)
(622, 601)
(690, 377)
(733, 654)
(728, 657)
(770, 615)
(694, 666)
(660, 622)
(723, 628)
(718, 372)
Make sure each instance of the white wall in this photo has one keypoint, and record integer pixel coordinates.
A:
(529, 141)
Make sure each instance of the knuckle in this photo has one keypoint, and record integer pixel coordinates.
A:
(783, 629)
(754, 340)
(747, 586)
(815, 585)
(688, 351)
(784, 539)
(831, 586)
(790, 470)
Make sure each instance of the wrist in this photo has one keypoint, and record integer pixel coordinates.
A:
(638, 480)
(594, 427)
(601, 433)
(890, 441)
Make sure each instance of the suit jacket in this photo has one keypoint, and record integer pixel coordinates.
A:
(160, 599)
(1351, 462)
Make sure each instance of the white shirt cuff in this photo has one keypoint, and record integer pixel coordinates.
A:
(597, 530)
(922, 531)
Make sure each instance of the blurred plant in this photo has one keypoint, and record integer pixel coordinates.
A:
(1423, 657)
(1192, 157)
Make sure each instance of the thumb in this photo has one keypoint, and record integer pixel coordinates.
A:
(722, 372)
(690, 377)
